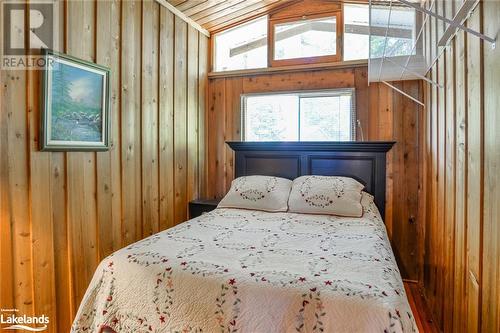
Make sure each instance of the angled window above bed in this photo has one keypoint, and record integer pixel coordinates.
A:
(311, 39)
(243, 47)
(327, 115)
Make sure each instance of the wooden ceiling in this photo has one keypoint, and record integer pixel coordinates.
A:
(216, 15)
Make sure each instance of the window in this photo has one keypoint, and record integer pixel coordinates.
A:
(308, 38)
(320, 32)
(305, 40)
(398, 27)
(401, 32)
(356, 31)
(301, 116)
(242, 47)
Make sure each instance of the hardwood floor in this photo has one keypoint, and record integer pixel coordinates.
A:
(421, 311)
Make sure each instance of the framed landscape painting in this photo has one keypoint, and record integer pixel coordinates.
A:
(75, 104)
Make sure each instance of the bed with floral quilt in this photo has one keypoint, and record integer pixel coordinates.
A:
(235, 270)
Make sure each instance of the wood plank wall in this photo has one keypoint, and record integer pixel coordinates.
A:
(384, 115)
(61, 213)
(462, 152)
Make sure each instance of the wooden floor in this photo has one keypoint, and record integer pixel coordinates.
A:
(420, 310)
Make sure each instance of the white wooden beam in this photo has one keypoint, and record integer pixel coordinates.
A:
(184, 17)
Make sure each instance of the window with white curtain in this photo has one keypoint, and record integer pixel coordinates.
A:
(299, 116)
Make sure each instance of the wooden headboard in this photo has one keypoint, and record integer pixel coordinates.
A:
(363, 161)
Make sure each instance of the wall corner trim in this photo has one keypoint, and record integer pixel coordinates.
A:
(183, 16)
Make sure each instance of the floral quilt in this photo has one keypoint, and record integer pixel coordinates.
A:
(235, 270)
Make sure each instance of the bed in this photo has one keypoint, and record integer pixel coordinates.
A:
(235, 270)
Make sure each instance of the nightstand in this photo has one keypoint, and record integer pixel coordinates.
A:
(201, 206)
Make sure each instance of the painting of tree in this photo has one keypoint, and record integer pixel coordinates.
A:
(76, 103)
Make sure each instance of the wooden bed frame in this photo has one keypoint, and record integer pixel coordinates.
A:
(363, 161)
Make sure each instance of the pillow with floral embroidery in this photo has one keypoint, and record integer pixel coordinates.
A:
(326, 195)
(265, 193)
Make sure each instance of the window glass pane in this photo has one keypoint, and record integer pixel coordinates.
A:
(271, 118)
(325, 118)
(306, 38)
(242, 47)
(303, 116)
(400, 34)
(356, 31)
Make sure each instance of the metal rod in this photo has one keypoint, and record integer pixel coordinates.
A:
(462, 14)
(385, 41)
(451, 22)
(369, 37)
(435, 59)
(403, 93)
(416, 40)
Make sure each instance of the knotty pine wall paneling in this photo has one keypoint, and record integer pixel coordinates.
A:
(149, 96)
(450, 175)
(61, 213)
(166, 119)
(489, 300)
(462, 253)
(384, 114)
(81, 166)
(180, 118)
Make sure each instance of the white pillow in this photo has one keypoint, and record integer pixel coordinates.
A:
(370, 209)
(326, 195)
(265, 193)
